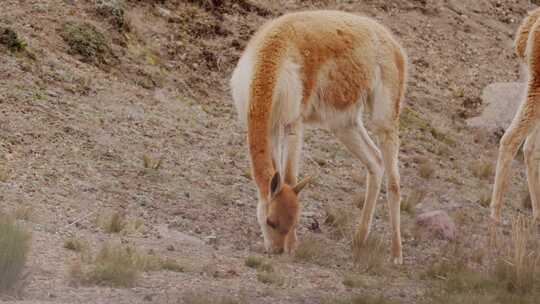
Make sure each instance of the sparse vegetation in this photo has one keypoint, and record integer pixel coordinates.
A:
(270, 277)
(205, 298)
(370, 256)
(311, 249)
(24, 213)
(86, 40)
(482, 169)
(114, 11)
(353, 281)
(485, 198)
(4, 172)
(358, 299)
(151, 163)
(172, 265)
(253, 261)
(514, 276)
(426, 170)
(412, 200)
(339, 218)
(115, 223)
(115, 266)
(11, 40)
(119, 266)
(14, 249)
(75, 244)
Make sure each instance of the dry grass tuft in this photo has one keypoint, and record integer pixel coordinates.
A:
(24, 213)
(311, 249)
(119, 266)
(115, 223)
(75, 244)
(426, 170)
(151, 163)
(353, 281)
(358, 299)
(482, 169)
(172, 265)
(369, 257)
(340, 219)
(526, 202)
(114, 266)
(412, 200)
(513, 276)
(485, 198)
(205, 298)
(14, 248)
(253, 261)
(520, 267)
(270, 277)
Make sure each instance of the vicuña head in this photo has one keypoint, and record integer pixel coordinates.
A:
(282, 214)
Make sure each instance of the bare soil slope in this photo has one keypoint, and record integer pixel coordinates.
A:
(83, 126)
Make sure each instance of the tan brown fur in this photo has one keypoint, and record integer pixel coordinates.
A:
(522, 35)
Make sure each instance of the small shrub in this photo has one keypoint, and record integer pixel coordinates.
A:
(253, 261)
(86, 40)
(11, 40)
(114, 11)
(14, 248)
(271, 278)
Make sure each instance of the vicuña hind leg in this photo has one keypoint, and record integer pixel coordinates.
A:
(357, 140)
(390, 152)
(521, 127)
(531, 150)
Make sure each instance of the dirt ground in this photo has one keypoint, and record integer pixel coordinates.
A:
(75, 130)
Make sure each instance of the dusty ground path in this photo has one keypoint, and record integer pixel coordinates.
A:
(74, 131)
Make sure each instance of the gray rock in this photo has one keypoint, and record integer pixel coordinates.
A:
(438, 224)
(502, 100)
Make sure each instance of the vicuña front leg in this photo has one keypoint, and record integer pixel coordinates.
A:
(294, 149)
(357, 140)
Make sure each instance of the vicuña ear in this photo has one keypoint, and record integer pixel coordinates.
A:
(275, 185)
(302, 184)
